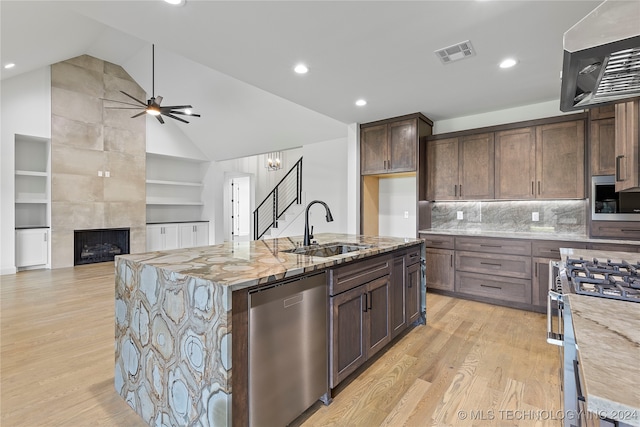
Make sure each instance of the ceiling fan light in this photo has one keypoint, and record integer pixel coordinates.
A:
(175, 2)
(187, 111)
(153, 111)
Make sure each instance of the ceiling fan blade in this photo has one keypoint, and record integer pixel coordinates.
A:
(139, 114)
(175, 117)
(160, 119)
(176, 107)
(184, 114)
(158, 100)
(135, 99)
(121, 108)
(119, 102)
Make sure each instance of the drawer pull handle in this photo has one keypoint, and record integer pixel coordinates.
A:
(490, 246)
(489, 286)
(491, 263)
(628, 230)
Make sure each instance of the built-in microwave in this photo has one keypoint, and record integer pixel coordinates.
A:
(607, 205)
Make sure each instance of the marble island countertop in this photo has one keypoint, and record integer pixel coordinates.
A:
(239, 265)
(532, 235)
(607, 334)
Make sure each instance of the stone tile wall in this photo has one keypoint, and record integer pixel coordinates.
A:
(556, 216)
(87, 138)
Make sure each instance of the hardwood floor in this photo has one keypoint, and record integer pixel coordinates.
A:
(472, 364)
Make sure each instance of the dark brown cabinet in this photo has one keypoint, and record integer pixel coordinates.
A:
(439, 269)
(371, 302)
(602, 147)
(398, 317)
(541, 162)
(627, 150)
(389, 147)
(461, 168)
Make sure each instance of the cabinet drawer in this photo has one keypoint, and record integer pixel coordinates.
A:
(344, 278)
(614, 247)
(437, 241)
(412, 256)
(551, 248)
(496, 246)
(501, 265)
(623, 230)
(500, 288)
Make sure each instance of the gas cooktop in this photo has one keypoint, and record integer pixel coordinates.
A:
(606, 279)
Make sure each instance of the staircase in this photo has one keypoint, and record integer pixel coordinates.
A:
(282, 206)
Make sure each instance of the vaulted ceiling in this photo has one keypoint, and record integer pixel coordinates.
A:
(233, 60)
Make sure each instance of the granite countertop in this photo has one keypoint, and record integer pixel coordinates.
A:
(240, 265)
(531, 235)
(607, 333)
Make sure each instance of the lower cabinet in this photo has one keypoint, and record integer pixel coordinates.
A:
(167, 236)
(359, 326)
(371, 302)
(32, 247)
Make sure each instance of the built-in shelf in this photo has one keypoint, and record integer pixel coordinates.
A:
(32, 173)
(176, 183)
(174, 188)
(32, 180)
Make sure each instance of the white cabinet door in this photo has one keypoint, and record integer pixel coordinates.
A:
(171, 236)
(187, 235)
(162, 237)
(155, 238)
(32, 247)
(201, 234)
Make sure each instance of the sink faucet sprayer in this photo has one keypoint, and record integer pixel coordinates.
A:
(308, 236)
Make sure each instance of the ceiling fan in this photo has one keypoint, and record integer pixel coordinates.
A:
(153, 105)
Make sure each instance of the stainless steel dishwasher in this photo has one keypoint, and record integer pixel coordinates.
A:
(288, 354)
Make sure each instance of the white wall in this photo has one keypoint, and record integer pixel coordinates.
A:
(511, 115)
(25, 109)
(353, 178)
(397, 197)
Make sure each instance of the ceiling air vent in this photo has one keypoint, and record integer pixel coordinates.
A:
(455, 52)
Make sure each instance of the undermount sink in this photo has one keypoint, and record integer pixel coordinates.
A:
(328, 249)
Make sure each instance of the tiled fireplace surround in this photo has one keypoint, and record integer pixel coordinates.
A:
(88, 140)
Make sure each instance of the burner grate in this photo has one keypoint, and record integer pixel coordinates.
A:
(616, 280)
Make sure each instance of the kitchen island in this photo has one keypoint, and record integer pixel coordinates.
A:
(174, 320)
(607, 336)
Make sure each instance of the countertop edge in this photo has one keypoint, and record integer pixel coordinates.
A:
(526, 236)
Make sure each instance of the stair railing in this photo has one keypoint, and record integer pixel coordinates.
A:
(287, 192)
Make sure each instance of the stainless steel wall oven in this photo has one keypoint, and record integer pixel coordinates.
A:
(607, 205)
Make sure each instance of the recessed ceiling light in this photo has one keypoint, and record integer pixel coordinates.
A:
(508, 63)
(301, 69)
(9, 65)
(175, 2)
(361, 102)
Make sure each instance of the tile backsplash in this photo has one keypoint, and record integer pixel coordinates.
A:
(555, 216)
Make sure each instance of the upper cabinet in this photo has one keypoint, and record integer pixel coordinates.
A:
(541, 162)
(389, 147)
(602, 146)
(461, 168)
(627, 130)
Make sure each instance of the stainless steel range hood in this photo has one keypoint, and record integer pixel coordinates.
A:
(602, 57)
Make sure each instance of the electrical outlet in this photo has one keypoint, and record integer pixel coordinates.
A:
(406, 214)
(535, 216)
(99, 173)
(107, 174)
(460, 215)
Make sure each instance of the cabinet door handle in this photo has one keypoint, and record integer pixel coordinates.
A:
(489, 286)
(366, 302)
(538, 188)
(370, 300)
(491, 263)
(455, 190)
(451, 260)
(460, 190)
(618, 158)
(532, 188)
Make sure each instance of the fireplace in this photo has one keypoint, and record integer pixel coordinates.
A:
(91, 246)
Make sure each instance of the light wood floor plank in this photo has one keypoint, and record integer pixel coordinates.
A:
(56, 362)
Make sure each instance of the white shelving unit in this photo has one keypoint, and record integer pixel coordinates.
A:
(174, 188)
(32, 201)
